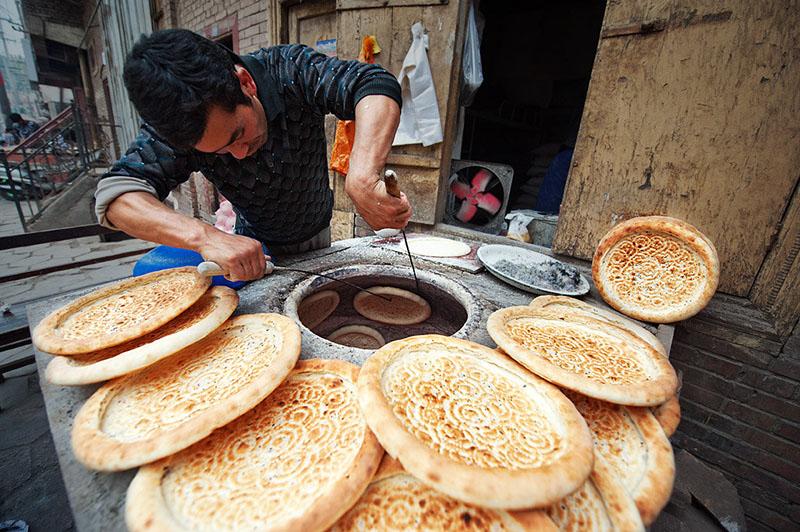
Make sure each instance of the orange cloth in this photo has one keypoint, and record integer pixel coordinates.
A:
(346, 129)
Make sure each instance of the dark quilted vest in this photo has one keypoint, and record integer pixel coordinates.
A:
(281, 194)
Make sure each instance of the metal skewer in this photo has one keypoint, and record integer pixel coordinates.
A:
(390, 178)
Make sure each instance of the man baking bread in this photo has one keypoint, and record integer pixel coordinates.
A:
(254, 126)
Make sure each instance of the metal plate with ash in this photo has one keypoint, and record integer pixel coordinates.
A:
(531, 271)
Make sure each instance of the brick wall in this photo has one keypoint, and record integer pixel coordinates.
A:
(252, 16)
(38, 13)
(741, 406)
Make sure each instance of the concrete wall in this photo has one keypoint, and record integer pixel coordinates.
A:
(741, 406)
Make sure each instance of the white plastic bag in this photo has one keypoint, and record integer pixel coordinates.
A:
(472, 72)
(419, 119)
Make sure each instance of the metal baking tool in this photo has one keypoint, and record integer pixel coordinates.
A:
(390, 179)
(210, 269)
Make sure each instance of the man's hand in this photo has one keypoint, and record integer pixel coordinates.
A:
(376, 122)
(375, 205)
(242, 257)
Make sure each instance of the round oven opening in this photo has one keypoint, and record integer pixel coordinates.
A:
(451, 305)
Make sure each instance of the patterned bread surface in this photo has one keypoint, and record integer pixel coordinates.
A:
(601, 505)
(656, 268)
(179, 400)
(396, 501)
(576, 305)
(584, 354)
(396, 306)
(297, 461)
(474, 425)
(121, 312)
(632, 443)
(199, 320)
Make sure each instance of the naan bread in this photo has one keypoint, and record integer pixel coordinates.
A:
(433, 246)
(600, 505)
(656, 268)
(180, 400)
(297, 461)
(584, 354)
(469, 422)
(316, 308)
(668, 415)
(359, 336)
(120, 312)
(200, 320)
(576, 305)
(400, 307)
(396, 501)
(632, 443)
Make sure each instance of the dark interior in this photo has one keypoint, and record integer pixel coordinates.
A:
(537, 59)
(448, 315)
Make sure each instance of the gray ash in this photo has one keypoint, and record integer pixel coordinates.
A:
(554, 276)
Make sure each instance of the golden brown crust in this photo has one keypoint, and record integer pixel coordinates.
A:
(584, 354)
(395, 500)
(176, 402)
(197, 322)
(316, 308)
(471, 423)
(120, 312)
(632, 444)
(668, 415)
(656, 268)
(574, 304)
(270, 458)
(402, 308)
(602, 503)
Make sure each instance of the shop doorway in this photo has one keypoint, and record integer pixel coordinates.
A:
(537, 60)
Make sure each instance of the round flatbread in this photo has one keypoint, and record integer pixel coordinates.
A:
(583, 354)
(433, 246)
(634, 446)
(180, 400)
(396, 501)
(200, 320)
(656, 268)
(359, 336)
(120, 312)
(601, 504)
(668, 415)
(396, 307)
(576, 305)
(469, 422)
(297, 461)
(316, 308)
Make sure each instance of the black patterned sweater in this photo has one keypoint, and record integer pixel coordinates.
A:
(281, 193)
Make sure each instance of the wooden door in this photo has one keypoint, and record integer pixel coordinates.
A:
(692, 112)
(311, 21)
(420, 169)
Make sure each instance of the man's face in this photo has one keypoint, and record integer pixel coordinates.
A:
(241, 132)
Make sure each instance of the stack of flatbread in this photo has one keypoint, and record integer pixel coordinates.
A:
(554, 430)
(619, 378)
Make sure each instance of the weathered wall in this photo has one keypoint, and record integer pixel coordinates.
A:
(691, 112)
(741, 406)
(252, 19)
(58, 21)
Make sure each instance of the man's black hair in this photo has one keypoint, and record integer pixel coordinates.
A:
(175, 77)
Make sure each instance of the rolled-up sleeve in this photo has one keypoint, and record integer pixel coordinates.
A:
(150, 165)
(331, 85)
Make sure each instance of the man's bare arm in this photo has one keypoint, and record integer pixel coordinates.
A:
(141, 215)
(377, 118)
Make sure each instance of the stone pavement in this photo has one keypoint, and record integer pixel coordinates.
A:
(31, 487)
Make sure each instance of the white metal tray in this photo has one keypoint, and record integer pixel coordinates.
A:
(491, 255)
